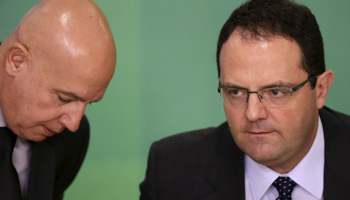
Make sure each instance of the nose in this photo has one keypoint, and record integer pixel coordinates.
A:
(72, 115)
(255, 110)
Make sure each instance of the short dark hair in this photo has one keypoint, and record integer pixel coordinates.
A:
(268, 18)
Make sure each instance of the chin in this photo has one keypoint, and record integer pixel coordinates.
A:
(36, 137)
(261, 156)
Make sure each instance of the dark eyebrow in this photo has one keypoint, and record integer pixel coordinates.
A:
(279, 84)
(272, 85)
(232, 86)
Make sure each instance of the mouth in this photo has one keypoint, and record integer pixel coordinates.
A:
(259, 132)
(49, 132)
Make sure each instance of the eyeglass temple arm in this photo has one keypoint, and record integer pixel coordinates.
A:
(302, 84)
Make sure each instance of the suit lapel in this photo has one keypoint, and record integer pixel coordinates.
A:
(226, 170)
(337, 164)
(42, 172)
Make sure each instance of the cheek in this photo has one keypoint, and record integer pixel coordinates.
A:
(45, 102)
(39, 104)
(235, 118)
(295, 121)
(281, 118)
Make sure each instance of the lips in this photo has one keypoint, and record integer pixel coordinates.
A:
(49, 132)
(260, 132)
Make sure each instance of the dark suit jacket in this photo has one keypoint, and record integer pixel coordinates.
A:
(56, 161)
(207, 164)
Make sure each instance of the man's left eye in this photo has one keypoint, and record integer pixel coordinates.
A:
(275, 92)
(64, 100)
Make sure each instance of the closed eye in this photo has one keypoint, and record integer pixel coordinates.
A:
(64, 100)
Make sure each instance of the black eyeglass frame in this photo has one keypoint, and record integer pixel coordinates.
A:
(257, 92)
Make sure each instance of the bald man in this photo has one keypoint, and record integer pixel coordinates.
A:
(59, 58)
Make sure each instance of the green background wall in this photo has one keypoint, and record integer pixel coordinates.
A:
(166, 81)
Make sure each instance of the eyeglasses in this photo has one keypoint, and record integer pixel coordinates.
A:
(269, 97)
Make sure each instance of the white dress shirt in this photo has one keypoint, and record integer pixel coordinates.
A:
(308, 174)
(20, 158)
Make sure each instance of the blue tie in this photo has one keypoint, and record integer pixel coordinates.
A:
(285, 187)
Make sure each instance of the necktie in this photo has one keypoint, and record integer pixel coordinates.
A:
(285, 187)
(9, 182)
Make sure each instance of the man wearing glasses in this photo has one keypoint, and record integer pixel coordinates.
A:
(279, 142)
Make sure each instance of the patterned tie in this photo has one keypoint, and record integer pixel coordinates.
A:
(9, 182)
(285, 187)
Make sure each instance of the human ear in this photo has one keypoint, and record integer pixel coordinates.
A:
(16, 56)
(324, 82)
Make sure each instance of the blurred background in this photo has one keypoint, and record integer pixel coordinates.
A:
(165, 81)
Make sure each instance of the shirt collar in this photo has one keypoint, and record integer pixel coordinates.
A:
(261, 177)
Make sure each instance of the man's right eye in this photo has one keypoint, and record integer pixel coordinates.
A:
(236, 92)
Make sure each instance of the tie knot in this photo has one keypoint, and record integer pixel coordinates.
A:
(285, 187)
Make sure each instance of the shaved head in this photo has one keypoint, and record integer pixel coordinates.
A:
(61, 53)
(65, 25)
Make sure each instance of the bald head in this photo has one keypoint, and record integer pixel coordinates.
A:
(65, 50)
(64, 26)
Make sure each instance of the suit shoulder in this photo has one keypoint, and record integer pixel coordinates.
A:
(332, 119)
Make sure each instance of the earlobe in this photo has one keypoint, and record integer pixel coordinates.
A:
(324, 82)
(16, 56)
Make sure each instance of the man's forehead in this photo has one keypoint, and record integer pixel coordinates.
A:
(260, 62)
(238, 45)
